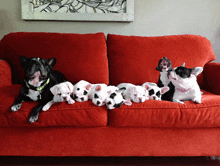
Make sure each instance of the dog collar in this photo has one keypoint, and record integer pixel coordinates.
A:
(38, 88)
(183, 90)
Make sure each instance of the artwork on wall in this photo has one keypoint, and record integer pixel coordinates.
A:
(78, 10)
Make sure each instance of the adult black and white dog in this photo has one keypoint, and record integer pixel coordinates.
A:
(39, 78)
(164, 67)
(185, 82)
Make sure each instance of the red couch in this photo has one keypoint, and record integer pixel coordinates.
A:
(152, 128)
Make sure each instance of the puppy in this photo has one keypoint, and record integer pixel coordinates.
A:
(155, 92)
(164, 67)
(99, 94)
(39, 78)
(62, 92)
(115, 99)
(185, 82)
(82, 91)
(133, 93)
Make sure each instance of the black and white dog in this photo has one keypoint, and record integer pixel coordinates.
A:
(185, 82)
(39, 78)
(164, 67)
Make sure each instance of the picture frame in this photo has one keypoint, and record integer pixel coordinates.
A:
(78, 10)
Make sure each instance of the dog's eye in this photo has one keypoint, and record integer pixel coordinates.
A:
(59, 94)
(85, 92)
(109, 103)
(77, 89)
(96, 96)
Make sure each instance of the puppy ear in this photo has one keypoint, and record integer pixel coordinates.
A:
(54, 89)
(127, 102)
(70, 86)
(183, 65)
(88, 86)
(98, 88)
(196, 71)
(52, 62)
(131, 89)
(23, 60)
(147, 87)
(165, 89)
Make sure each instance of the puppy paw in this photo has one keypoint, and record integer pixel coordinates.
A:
(33, 119)
(15, 107)
(71, 101)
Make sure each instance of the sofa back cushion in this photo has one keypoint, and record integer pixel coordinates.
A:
(133, 59)
(79, 56)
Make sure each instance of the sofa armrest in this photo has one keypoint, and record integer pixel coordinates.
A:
(212, 78)
(5, 73)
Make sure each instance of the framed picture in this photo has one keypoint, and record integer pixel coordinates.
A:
(78, 10)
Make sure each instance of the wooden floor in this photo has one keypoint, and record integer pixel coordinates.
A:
(107, 161)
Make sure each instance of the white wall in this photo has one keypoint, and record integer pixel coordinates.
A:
(152, 18)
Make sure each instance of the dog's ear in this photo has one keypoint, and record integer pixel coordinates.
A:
(70, 86)
(52, 62)
(98, 88)
(23, 60)
(88, 87)
(54, 89)
(165, 89)
(196, 71)
(183, 65)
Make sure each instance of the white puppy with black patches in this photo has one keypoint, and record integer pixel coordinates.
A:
(62, 92)
(82, 91)
(115, 98)
(99, 94)
(185, 82)
(133, 93)
(154, 92)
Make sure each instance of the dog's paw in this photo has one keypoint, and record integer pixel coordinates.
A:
(33, 119)
(178, 101)
(45, 108)
(197, 101)
(15, 107)
(71, 101)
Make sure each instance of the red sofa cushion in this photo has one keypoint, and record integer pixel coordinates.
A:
(79, 56)
(5, 73)
(84, 114)
(133, 59)
(153, 113)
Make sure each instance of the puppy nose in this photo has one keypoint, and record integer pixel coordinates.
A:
(82, 99)
(140, 99)
(98, 102)
(64, 98)
(154, 98)
(75, 97)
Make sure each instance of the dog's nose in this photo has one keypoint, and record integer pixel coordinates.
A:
(64, 98)
(82, 98)
(154, 98)
(98, 102)
(74, 96)
(140, 99)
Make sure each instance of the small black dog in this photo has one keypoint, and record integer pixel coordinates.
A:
(39, 78)
(165, 66)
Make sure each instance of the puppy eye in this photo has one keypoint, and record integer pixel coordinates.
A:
(96, 96)
(85, 92)
(109, 103)
(59, 94)
(77, 89)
